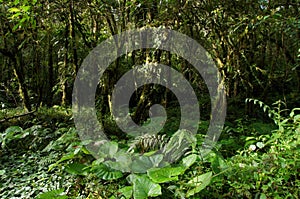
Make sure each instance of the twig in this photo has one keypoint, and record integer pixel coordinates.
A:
(17, 116)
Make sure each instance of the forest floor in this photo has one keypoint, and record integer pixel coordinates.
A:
(42, 156)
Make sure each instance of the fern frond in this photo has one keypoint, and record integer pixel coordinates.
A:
(146, 143)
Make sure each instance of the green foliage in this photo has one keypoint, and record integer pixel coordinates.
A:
(53, 194)
(76, 169)
(113, 163)
(143, 187)
(29, 175)
(149, 184)
(123, 192)
(147, 142)
(54, 117)
(269, 165)
(199, 183)
(53, 163)
(165, 174)
(15, 139)
(141, 164)
(256, 48)
(274, 113)
(11, 133)
(106, 173)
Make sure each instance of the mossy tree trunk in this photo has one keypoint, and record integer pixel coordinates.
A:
(20, 76)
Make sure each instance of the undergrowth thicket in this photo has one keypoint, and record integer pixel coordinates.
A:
(45, 158)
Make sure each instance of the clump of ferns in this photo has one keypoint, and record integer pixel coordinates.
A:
(180, 144)
(147, 142)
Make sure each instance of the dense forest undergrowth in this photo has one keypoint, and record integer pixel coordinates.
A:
(253, 159)
(254, 46)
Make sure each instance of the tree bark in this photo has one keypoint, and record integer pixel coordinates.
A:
(19, 73)
(64, 69)
(50, 74)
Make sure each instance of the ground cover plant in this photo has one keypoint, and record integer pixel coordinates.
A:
(42, 163)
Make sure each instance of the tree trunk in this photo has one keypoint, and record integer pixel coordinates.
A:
(140, 114)
(19, 73)
(50, 74)
(65, 68)
(73, 38)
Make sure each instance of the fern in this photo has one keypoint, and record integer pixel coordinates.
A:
(273, 113)
(172, 148)
(146, 143)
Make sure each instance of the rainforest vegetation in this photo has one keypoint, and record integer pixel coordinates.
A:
(255, 46)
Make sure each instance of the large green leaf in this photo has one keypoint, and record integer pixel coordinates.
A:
(189, 160)
(58, 193)
(106, 173)
(77, 169)
(122, 162)
(178, 144)
(142, 163)
(143, 187)
(199, 183)
(108, 149)
(166, 174)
